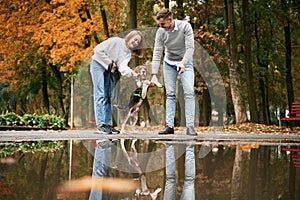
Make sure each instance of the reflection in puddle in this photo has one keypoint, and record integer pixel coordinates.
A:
(159, 169)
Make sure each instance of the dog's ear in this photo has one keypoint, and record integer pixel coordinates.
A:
(137, 69)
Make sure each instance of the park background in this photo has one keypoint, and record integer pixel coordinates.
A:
(45, 51)
(46, 46)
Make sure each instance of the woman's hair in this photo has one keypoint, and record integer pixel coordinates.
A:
(139, 50)
(164, 13)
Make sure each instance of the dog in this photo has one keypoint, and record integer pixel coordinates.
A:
(132, 158)
(140, 93)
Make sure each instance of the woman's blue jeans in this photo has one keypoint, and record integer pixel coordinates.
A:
(187, 79)
(188, 192)
(101, 168)
(103, 93)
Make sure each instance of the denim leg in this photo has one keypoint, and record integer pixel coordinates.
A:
(102, 103)
(108, 84)
(101, 168)
(170, 77)
(190, 173)
(187, 79)
(170, 187)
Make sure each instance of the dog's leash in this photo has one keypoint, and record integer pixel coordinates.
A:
(113, 76)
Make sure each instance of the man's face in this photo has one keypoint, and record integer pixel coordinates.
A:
(165, 23)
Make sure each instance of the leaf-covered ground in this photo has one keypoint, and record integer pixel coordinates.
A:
(244, 128)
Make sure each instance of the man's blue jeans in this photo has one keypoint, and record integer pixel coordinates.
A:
(103, 93)
(101, 168)
(187, 79)
(188, 192)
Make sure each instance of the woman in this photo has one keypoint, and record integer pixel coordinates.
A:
(113, 53)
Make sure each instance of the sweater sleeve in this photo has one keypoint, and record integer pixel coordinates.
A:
(123, 67)
(189, 43)
(101, 54)
(157, 52)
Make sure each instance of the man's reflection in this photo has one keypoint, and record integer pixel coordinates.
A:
(101, 166)
(190, 172)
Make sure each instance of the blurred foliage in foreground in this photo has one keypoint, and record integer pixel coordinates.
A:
(32, 121)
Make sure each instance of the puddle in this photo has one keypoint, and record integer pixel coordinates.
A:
(39, 169)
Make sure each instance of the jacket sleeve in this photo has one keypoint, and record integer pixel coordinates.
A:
(189, 43)
(123, 67)
(157, 52)
(101, 54)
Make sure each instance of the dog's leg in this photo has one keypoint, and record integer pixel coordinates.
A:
(133, 145)
(124, 122)
(122, 141)
(154, 194)
(135, 114)
(134, 118)
(145, 190)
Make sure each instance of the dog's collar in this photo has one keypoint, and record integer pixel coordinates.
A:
(137, 95)
(140, 83)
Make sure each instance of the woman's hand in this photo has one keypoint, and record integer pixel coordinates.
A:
(134, 74)
(112, 66)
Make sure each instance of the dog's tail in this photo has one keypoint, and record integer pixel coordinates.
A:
(120, 107)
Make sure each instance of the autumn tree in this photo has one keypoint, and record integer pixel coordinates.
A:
(49, 40)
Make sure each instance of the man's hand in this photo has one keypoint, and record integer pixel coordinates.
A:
(181, 67)
(154, 81)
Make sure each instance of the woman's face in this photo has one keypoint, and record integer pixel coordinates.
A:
(134, 42)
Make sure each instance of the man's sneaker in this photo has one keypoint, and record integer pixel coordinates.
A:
(191, 131)
(104, 129)
(103, 144)
(113, 131)
(167, 130)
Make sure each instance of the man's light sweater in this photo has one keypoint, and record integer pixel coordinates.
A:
(178, 44)
(113, 49)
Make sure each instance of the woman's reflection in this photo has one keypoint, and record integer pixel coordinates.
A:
(101, 166)
(190, 172)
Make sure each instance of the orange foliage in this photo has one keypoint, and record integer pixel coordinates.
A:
(57, 30)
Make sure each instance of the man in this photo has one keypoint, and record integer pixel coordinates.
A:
(188, 191)
(176, 39)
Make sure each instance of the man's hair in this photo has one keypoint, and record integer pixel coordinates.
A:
(139, 50)
(164, 13)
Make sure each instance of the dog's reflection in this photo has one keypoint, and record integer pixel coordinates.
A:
(102, 168)
(132, 158)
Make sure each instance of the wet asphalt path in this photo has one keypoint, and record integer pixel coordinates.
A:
(178, 137)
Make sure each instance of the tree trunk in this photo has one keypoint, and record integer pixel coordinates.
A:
(42, 177)
(104, 20)
(265, 176)
(46, 104)
(248, 63)
(264, 112)
(234, 69)
(288, 55)
(133, 25)
(206, 108)
(180, 10)
(252, 173)
(59, 90)
(236, 180)
(133, 20)
(167, 2)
